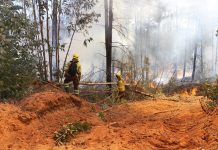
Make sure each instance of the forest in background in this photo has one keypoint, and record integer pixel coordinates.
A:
(33, 34)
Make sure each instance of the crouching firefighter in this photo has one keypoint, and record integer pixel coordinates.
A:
(73, 74)
(120, 86)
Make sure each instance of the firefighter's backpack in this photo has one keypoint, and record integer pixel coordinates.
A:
(73, 69)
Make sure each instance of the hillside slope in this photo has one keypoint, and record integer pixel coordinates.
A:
(165, 123)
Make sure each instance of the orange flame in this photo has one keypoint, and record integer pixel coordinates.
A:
(194, 92)
(152, 85)
(185, 93)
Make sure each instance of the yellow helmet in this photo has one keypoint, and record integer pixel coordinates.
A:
(118, 74)
(76, 56)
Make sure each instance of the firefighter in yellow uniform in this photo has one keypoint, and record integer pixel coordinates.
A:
(120, 86)
(73, 74)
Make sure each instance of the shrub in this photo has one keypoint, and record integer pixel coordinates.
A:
(211, 91)
(18, 65)
(63, 135)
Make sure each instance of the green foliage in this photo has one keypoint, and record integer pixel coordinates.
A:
(171, 87)
(86, 41)
(114, 99)
(80, 15)
(63, 135)
(101, 116)
(88, 93)
(17, 68)
(211, 91)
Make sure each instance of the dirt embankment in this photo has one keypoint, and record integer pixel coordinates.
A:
(169, 123)
(32, 122)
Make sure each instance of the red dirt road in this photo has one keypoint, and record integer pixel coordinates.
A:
(170, 123)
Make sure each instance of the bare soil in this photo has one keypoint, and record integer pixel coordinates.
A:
(164, 123)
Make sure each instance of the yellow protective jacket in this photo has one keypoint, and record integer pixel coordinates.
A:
(79, 72)
(121, 85)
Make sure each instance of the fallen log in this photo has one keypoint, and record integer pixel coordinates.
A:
(113, 83)
(143, 93)
(97, 83)
(105, 91)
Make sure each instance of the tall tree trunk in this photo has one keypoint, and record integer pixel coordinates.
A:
(114, 64)
(113, 70)
(48, 41)
(175, 71)
(39, 53)
(202, 62)
(216, 56)
(107, 43)
(108, 38)
(184, 67)
(106, 23)
(141, 53)
(147, 74)
(24, 8)
(147, 68)
(42, 39)
(58, 42)
(213, 53)
(54, 39)
(110, 25)
(194, 63)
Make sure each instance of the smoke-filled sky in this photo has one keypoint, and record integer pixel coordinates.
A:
(171, 27)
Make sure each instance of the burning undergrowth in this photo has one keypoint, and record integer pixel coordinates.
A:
(185, 90)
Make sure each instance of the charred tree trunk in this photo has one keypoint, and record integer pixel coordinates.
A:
(143, 75)
(54, 39)
(175, 71)
(194, 63)
(147, 68)
(48, 41)
(147, 74)
(184, 67)
(106, 24)
(108, 38)
(42, 39)
(114, 64)
(202, 63)
(121, 67)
